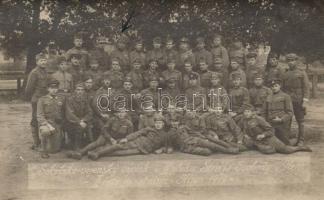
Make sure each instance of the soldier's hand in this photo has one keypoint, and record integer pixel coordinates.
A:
(124, 140)
(260, 137)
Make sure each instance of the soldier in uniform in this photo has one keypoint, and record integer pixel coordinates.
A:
(273, 69)
(195, 94)
(95, 73)
(172, 73)
(78, 115)
(185, 75)
(152, 71)
(185, 54)
(236, 71)
(238, 53)
(217, 94)
(99, 54)
(116, 128)
(150, 94)
(62, 75)
(80, 51)
(88, 88)
(204, 73)
(173, 92)
(296, 84)
(259, 134)
(157, 53)
(121, 53)
(136, 74)
(252, 69)
(138, 53)
(146, 119)
(202, 54)
(144, 141)
(76, 70)
(278, 111)
(116, 74)
(239, 97)
(50, 118)
(222, 70)
(219, 51)
(259, 93)
(35, 88)
(170, 51)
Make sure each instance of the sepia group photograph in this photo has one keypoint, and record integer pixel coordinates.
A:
(161, 99)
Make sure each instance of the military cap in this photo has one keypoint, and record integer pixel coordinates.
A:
(93, 62)
(200, 40)
(158, 117)
(136, 61)
(258, 75)
(235, 60)
(61, 59)
(53, 83)
(216, 35)
(175, 117)
(237, 76)
(187, 61)
(248, 107)
(153, 78)
(171, 80)
(273, 55)
(115, 59)
(169, 40)
(193, 76)
(152, 59)
(215, 75)
(275, 81)
(78, 36)
(106, 75)
(184, 39)
(76, 55)
(128, 79)
(139, 41)
(87, 77)
(79, 85)
(218, 60)
(171, 59)
(41, 56)
(157, 40)
(251, 55)
(291, 56)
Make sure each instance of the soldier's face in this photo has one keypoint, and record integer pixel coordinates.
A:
(248, 113)
(159, 124)
(64, 66)
(88, 83)
(42, 62)
(188, 67)
(94, 66)
(292, 63)
(218, 110)
(200, 45)
(175, 124)
(273, 62)
(171, 85)
(139, 46)
(115, 65)
(78, 42)
(106, 82)
(193, 82)
(251, 61)
(156, 45)
(128, 86)
(171, 66)
(75, 61)
(137, 66)
(258, 82)
(153, 84)
(169, 45)
(184, 46)
(217, 41)
(214, 81)
(121, 114)
(52, 90)
(218, 66)
(203, 66)
(234, 65)
(153, 65)
(237, 82)
(79, 91)
(275, 88)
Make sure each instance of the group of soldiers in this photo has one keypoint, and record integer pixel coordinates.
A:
(195, 100)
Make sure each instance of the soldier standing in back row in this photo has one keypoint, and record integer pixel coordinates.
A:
(79, 50)
(219, 51)
(35, 88)
(296, 84)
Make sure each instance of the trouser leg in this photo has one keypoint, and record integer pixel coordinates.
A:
(300, 117)
(101, 140)
(126, 152)
(109, 150)
(280, 147)
(34, 125)
(282, 133)
(215, 147)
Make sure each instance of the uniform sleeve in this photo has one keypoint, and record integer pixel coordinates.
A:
(225, 57)
(70, 116)
(266, 127)
(40, 112)
(31, 84)
(89, 115)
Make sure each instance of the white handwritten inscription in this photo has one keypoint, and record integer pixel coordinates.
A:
(169, 173)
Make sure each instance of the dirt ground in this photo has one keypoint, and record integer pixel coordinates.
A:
(15, 139)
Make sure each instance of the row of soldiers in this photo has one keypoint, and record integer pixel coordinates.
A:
(72, 106)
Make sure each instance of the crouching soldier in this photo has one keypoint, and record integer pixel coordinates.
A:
(78, 115)
(260, 135)
(50, 118)
(221, 127)
(144, 141)
(193, 144)
(116, 128)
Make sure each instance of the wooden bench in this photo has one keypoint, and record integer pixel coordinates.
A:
(13, 75)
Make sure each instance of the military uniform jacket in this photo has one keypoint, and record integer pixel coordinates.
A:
(137, 79)
(79, 51)
(220, 97)
(296, 84)
(199, 100)
(148, 139)
(239, 96)
(138, 55)
(50, 110)
(186, 55)
(204, 55)
(102, 57)
(256, 126)
(65, 79)
(123, 57)
(258, 95)
(157, 54)
(220, 52)
(116, 78)
(272, 73)
(185, 79)
(118, 128)
(241, 74)
(102, 102)
(172, 53)
(150, 96)
(205, 78)
(238, 54)
(77, 109)
(278, 105)
(145, 121)
(36, 84)
(174, 74)
(77, 74)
